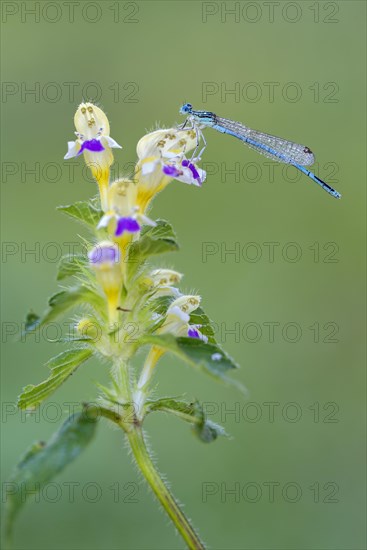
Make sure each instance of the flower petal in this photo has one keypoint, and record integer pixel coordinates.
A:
(104, 252)
(163, 141)
(176, 311)
(111, 142)
(186, 303)
(147, 221)
(93, 145)
(193, 333)
(172, 171)
(73, 149)
(129, 225)
(197, 175)
(149, 167)
(105, 220)
(192, 167)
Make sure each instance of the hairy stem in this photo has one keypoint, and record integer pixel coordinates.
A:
(122, 379)
(144, 461)
(136, 439)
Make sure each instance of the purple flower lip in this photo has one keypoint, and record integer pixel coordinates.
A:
(170, 170)
(93, 145)
(104, 254)
(128, 225)
(192, 167)
(193, 333)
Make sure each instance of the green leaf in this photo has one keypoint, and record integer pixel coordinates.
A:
(162, 230)
(87, 212)
(205, 429)
(197, 353)
(199, 317)
(153, 241)
(61, 302)
(71, 265)
(65, 299)
(42, 462)
(182, 409)
(62, 366)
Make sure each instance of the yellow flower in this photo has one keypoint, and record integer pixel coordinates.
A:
(94, 141)
(161, 142)
(124, 218)
(164, 281)
(166, 277)
(105, 259)
(178, 316)
(154, 150)
(124, 215)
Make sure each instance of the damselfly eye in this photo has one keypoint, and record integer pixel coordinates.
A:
(186, 108)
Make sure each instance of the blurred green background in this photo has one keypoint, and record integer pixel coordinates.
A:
(140, 61)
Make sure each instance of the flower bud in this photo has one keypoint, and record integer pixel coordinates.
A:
(89, 328)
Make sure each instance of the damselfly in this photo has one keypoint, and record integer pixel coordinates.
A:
(273, 147)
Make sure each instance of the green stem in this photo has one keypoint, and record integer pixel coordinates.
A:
(122, 379)
(135, 436)
(141, 454)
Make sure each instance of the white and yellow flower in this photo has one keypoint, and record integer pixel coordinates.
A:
(162, 158)
(124, 215)
(165, 141)
(94, 141)
(163, 282)
(177, 320)
(166, 277)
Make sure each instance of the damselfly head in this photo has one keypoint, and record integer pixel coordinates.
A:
(186, 109)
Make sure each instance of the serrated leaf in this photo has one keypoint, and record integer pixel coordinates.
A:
(61, 302)
(197, 353)
(41, 463)
(169, 404)
(162, 230)
(62, 366)
(153, 241)
(199, 317)
(205, 429)
(87, 212)
(71, 265)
